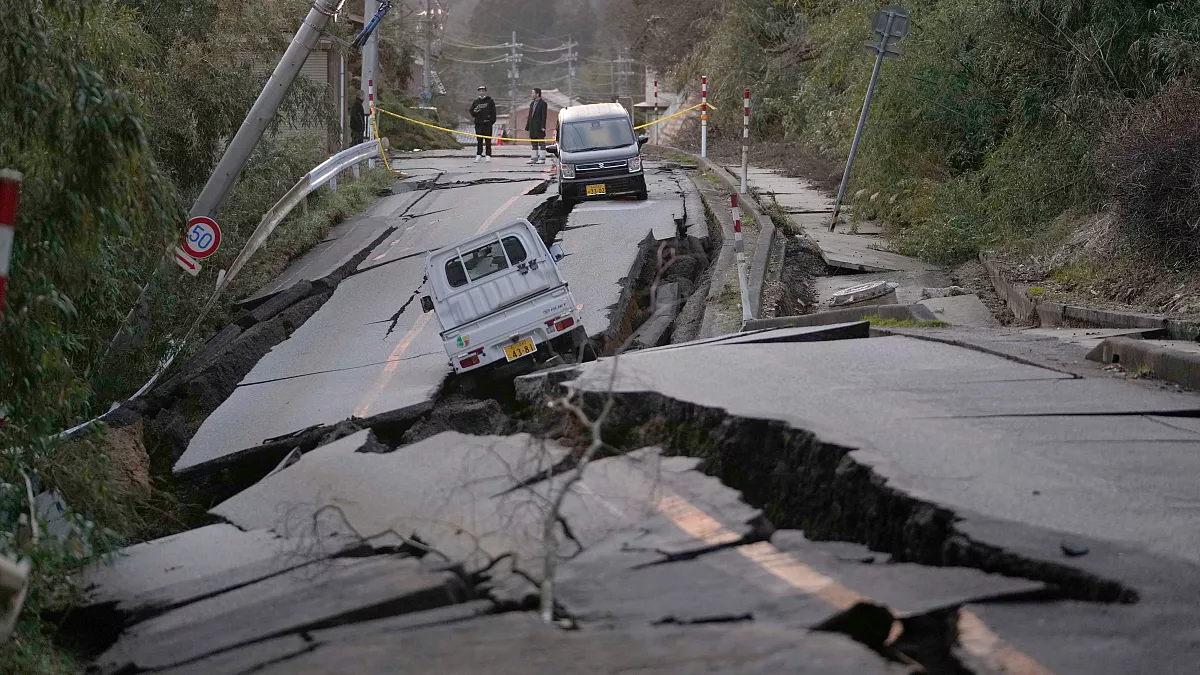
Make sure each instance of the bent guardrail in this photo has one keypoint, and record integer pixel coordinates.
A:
(318, 176)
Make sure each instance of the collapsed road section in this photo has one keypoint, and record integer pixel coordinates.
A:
(369, 353)
(842, 553)
(821, 500)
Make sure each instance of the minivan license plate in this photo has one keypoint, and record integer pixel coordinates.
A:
(593, 190)
(523, 348)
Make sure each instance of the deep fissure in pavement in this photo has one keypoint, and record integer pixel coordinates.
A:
(801, 482)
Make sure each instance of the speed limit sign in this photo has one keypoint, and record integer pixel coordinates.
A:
(202, 237)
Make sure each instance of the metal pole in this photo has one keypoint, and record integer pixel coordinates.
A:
(10, 199)
(428, 48)
(739, 246)
(264, 110)
(704, 116)
(371, 118)
(512, 85)
(745, 139)
(862, 122)
(342, 101)
(369, 55)
(570, 69)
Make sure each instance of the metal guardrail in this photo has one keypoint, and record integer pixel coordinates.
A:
(320, 175)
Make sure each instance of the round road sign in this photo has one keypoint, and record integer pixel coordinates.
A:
(202, 237)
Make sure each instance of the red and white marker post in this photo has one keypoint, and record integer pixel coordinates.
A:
(371, 119)
(739, 247)
(704, 116)
(745, 139)
(656, 137)
(10, 199)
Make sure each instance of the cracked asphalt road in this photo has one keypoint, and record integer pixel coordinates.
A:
(774, 503)
(369, 349)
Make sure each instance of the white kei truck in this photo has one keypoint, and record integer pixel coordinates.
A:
(503, 306)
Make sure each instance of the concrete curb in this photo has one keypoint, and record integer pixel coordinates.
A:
(1180, 367)
(847, 315)
(1054, 314)
(766, 232)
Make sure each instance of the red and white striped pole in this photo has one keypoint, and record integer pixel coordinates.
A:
(745, 139)
(10, 199)
(739, 247)
(371, 121)
(656, 130)
(704, 116)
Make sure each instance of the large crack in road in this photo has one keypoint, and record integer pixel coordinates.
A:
(698, 523)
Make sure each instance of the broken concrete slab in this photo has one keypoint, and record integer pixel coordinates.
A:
(440, 489)
(276, 304)
(653, 332)
(862, 253)
(149, 577)
(1172, 360)
(908, 589)
(841, 316)
(852, 330)
(911, 283)
(518, 643)
(320, 595)
(1089, 338)
(919, 417)
(961, 310)
(351, 239)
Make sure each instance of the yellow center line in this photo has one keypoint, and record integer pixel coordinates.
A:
(389, 371)
(975, 637)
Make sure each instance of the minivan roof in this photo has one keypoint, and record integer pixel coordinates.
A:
(591, 111)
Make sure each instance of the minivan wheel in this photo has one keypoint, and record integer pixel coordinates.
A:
(643, 194)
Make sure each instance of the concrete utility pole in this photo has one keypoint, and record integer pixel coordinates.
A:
(571, 57)
(264, 109)
(370, 55)
(890, 27)
(427, 92)
(514, 75)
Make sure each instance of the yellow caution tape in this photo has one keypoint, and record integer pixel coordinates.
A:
(464, 133)
(382, 150)
(516, 140)
(664, 119)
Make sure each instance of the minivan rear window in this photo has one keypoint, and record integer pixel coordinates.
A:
(606, 134)
(485, 260)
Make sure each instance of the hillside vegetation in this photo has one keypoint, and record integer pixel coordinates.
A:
(1006, 122)
(116, 112)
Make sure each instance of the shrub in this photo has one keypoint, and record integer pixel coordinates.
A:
(1150, 167)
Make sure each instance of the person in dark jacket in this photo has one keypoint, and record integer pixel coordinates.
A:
(483, 111)
(536, 126)
(358, 118)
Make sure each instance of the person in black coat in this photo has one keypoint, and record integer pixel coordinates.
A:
(483, 111)
(536, 126)
(358, 119)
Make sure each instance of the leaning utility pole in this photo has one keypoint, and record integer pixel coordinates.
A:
(264, 110)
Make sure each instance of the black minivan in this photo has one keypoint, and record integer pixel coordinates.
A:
(599, 153)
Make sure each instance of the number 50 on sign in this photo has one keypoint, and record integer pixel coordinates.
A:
(202, 237)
